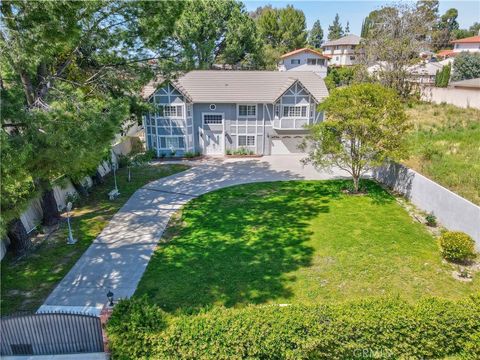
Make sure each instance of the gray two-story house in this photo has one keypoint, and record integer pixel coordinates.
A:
(211, 112)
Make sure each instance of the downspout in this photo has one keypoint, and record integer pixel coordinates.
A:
(264, 138)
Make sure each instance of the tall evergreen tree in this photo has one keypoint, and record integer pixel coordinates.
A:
(445, 29)
(335, 31)
(315, 36)
(347, 28)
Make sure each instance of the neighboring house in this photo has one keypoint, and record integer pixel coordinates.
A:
(304, 60)
(214, 111)
(425, 73)
(469, 44)
(343, 51)
(465, 93)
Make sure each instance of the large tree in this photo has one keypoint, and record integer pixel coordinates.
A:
(365, 126)
(281, 30)
(394, 41)
(466, 66)
(207, 28)
(445, 29)
(335, 31)
(78, 68)
(315, 35)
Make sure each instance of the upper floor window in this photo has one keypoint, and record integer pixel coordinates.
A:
(171, 110)
(212, 119)
(352, 57)
(247, 110)
(295, 61)
(312, 61)
(294, 111)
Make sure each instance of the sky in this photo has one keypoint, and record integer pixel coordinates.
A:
(356, 11)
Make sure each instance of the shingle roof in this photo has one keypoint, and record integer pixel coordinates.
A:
(471, 39)
(208, 86)
(472, 83)
(297, 51)
(346, 40)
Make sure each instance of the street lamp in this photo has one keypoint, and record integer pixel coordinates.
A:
(110, 298)
(70, 239)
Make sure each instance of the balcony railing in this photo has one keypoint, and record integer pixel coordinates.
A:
(287, 123)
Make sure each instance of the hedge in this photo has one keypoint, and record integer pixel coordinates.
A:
(376, 328)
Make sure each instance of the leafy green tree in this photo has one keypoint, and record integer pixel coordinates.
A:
(445, 29)
(207, 28)
(281, 30)
(466, 66)
(292, 27)
(340, 76)
(78, 68)
(464, 33)
(365, 126)
(315, 35)
(335, 31)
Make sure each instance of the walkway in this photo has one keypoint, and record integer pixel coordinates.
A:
(117, 259)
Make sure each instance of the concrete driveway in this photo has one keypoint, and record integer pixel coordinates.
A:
(118, 257)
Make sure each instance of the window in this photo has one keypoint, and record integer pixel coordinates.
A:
(212, 119)
(295, 61)
(352, 57)
(172, 142)
(337, 58)
(247, 110)
(171, 111)
(246, 140)
(295, 111)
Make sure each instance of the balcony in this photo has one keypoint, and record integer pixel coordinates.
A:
(288, 123)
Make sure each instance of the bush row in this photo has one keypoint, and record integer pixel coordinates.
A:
(376, 328)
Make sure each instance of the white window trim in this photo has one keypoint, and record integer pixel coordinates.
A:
(246, 116)
(171, 136)
(213, 113)
(183, 116)
(246, 141)
(295, 117)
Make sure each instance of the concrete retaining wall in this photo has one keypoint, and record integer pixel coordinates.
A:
(451, 210)
(462, 97)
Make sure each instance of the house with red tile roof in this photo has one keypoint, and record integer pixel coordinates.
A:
(304, 59)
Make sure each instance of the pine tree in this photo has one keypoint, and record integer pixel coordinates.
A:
(347, 28)
(335, 31)
(315, 36)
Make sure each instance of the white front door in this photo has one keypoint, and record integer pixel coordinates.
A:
(213, 142)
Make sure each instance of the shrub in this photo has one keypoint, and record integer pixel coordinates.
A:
(457, 246)
(388, 328)
(431, 219)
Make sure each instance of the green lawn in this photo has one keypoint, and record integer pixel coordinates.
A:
(295, 242)
(26, 283)
(445, 146)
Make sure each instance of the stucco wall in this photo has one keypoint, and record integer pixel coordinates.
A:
(451, 210)
(461, 97)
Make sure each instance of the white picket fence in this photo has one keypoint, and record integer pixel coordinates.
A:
(33, 215)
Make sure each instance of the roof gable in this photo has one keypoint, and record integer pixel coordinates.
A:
(468, 40)
(306, 50)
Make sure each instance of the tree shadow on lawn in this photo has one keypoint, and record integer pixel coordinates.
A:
(237, 245)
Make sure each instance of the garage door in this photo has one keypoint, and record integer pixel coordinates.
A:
(282, 145)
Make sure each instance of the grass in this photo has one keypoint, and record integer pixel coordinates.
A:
(445, 147)
(26, 282)
(294, 242)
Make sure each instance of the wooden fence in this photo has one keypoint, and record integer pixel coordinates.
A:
(50, 334)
